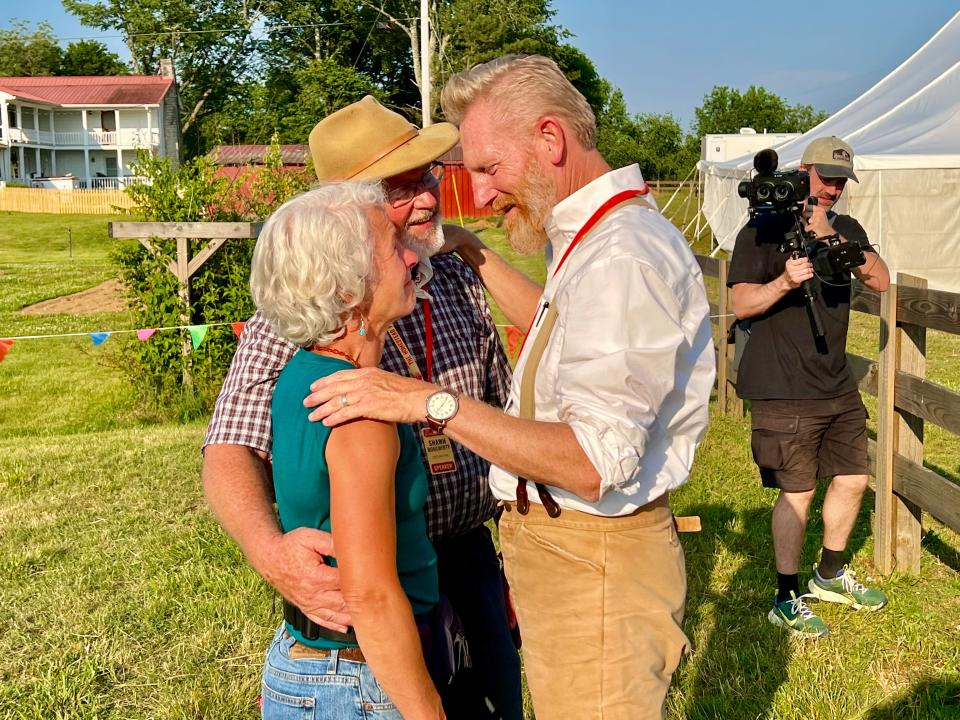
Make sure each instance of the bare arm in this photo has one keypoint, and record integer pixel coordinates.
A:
(541, 451)
(236, 480)
(752, 299)
(362, 459)
(546, 452)
(874, 273)
(515, 293)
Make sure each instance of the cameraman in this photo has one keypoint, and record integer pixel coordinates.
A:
(808, 419)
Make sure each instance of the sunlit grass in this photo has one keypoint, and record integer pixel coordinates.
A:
(122, 598)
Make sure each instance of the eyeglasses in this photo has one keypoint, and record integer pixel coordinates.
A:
(402, 194)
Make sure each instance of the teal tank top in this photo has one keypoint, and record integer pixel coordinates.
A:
(302, 483)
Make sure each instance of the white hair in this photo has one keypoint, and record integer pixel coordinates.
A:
(524, 86)
(312, 265)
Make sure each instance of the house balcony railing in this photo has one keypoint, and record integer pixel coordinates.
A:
(69, 182)
(111, 183)
(124, 138)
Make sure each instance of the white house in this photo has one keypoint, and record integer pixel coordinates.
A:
(84, 131)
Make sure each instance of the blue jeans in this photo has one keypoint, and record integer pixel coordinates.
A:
(469, 573)
(320, 688)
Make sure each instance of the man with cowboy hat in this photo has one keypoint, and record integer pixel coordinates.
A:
(450, 338)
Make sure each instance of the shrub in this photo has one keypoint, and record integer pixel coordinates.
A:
(219, 290)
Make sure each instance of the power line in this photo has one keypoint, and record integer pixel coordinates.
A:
(220, 31)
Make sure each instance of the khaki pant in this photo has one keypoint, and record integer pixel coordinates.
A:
(600, 603)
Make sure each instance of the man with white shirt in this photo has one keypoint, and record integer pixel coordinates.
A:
(608, 402)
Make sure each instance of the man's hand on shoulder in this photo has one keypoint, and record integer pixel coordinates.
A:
(294, 565)
(459, 240)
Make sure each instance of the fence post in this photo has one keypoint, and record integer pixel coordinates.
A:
(886, 424)
(723, 358)
(911, 358)
(183, 276)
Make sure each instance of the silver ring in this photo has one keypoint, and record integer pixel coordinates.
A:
(343, 400)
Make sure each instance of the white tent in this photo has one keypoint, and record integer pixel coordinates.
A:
(905, 132)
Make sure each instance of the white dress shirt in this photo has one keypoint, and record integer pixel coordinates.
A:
(630, 363)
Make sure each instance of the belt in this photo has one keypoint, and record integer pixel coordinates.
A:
(311, 630)
(658, 502)
(682, 523)
(299, 651)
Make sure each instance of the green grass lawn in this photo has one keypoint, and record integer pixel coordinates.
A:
(121, 598)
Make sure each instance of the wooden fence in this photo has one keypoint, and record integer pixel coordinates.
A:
(60, 202)
(905, 400)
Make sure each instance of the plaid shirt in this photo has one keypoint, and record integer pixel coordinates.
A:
(467, 356)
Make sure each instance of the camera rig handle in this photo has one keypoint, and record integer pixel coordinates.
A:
(810, 294)
(794, 243)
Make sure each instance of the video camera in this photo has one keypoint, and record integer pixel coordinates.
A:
(773, 191)
(787, 193)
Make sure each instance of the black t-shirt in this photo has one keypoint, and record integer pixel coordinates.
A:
(781, 360)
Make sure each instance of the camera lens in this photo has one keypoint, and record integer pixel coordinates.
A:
(782, 192)
(764, 191)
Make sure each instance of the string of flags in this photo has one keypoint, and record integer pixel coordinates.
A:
(198, 333)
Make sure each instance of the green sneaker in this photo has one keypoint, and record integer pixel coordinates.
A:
(795, 616)
(845, 589)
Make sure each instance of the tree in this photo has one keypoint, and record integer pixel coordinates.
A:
(656, 142)
(89, 57)
(726, 110)
(324, 87)
(211, 44)
(380, 40)
(25, 52)
(466, 32)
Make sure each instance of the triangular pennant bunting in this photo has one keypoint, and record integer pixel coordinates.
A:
(99, 338)
(237, 328)
(197, 334)
(5, 346)
(514, 338)
(145, 334)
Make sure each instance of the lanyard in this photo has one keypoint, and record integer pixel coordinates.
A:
(601, 211)
(405, 353)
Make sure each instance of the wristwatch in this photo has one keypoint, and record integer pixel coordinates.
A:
(441, 408)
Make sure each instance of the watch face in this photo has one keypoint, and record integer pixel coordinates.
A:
(442, 406)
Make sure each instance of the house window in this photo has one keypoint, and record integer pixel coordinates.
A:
(12, 116)
(108, 121)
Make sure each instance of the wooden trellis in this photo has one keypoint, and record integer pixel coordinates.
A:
(214, 234)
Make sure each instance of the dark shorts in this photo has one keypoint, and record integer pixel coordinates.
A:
(795, 442)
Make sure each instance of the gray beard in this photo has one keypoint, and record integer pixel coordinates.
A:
(428, 246)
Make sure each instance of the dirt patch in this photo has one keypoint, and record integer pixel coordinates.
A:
(105, 297)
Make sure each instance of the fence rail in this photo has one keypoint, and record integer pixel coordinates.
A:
(906, 400)
(60, 202)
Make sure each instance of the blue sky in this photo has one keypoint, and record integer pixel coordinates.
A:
(666, 56)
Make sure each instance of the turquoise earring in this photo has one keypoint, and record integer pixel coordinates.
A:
(363, 327)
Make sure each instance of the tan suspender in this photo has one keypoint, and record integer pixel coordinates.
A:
(528, 411)
(528, 387)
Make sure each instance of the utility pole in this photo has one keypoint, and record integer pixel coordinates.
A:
(425, 61)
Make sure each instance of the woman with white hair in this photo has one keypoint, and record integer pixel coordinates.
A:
(330, 274)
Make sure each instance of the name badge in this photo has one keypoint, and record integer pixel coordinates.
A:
(439, 452)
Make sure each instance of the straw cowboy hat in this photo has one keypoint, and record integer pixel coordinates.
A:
(366, 141)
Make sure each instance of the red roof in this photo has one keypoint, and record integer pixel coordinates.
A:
(453, 156)
(113, 90)
(255, 154)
